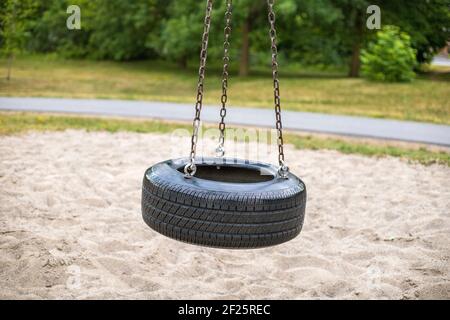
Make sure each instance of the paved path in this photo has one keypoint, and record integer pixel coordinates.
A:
(303, 121)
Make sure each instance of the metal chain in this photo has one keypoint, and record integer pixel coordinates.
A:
(284, 169)
(190, 168)
(220, 150)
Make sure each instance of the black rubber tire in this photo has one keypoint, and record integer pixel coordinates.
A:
(223, 214)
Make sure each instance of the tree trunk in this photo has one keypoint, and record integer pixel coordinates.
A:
(358, 32)
(11, 55)
(183, 62)
(245, 49)
(10, 61)
(355, 63)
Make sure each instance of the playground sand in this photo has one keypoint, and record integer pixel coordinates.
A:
(70, 227)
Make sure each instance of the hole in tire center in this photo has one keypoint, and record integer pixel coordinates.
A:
(233, 174)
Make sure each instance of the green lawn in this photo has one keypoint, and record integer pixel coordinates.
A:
(426, 99)
(16, 123)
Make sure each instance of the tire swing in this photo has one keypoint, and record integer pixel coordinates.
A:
(223, 202)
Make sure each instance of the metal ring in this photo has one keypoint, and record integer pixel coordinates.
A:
(283, 169)
(189, 170)
(220, 151)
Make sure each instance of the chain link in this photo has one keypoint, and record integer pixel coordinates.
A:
(220, 150)
(283, 170)
(190, 168)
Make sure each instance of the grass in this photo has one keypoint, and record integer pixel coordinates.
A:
(421, 155)
(426, 99)
(14, 123)
(19, 122)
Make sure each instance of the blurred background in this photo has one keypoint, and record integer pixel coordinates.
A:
(330, 62)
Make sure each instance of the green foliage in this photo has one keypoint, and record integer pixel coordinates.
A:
(307, 31)
(14, 19)
(50, 33)
(122, 27)
(390, 57)
(310, 32)
(427, 22)
(181, 31)
(110, 29)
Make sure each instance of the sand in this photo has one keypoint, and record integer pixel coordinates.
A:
(71, 227)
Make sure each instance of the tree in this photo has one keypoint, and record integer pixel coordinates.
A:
(251, 23)
(427, 22)
(248, 17)
(110, 29)
(352, 29)
(307, 32)
(13, 32)
(181, 31)
(121, 29)
(310, 32)
(50, 33)
(250, 39)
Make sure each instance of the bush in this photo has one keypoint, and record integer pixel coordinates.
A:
(389, 57)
